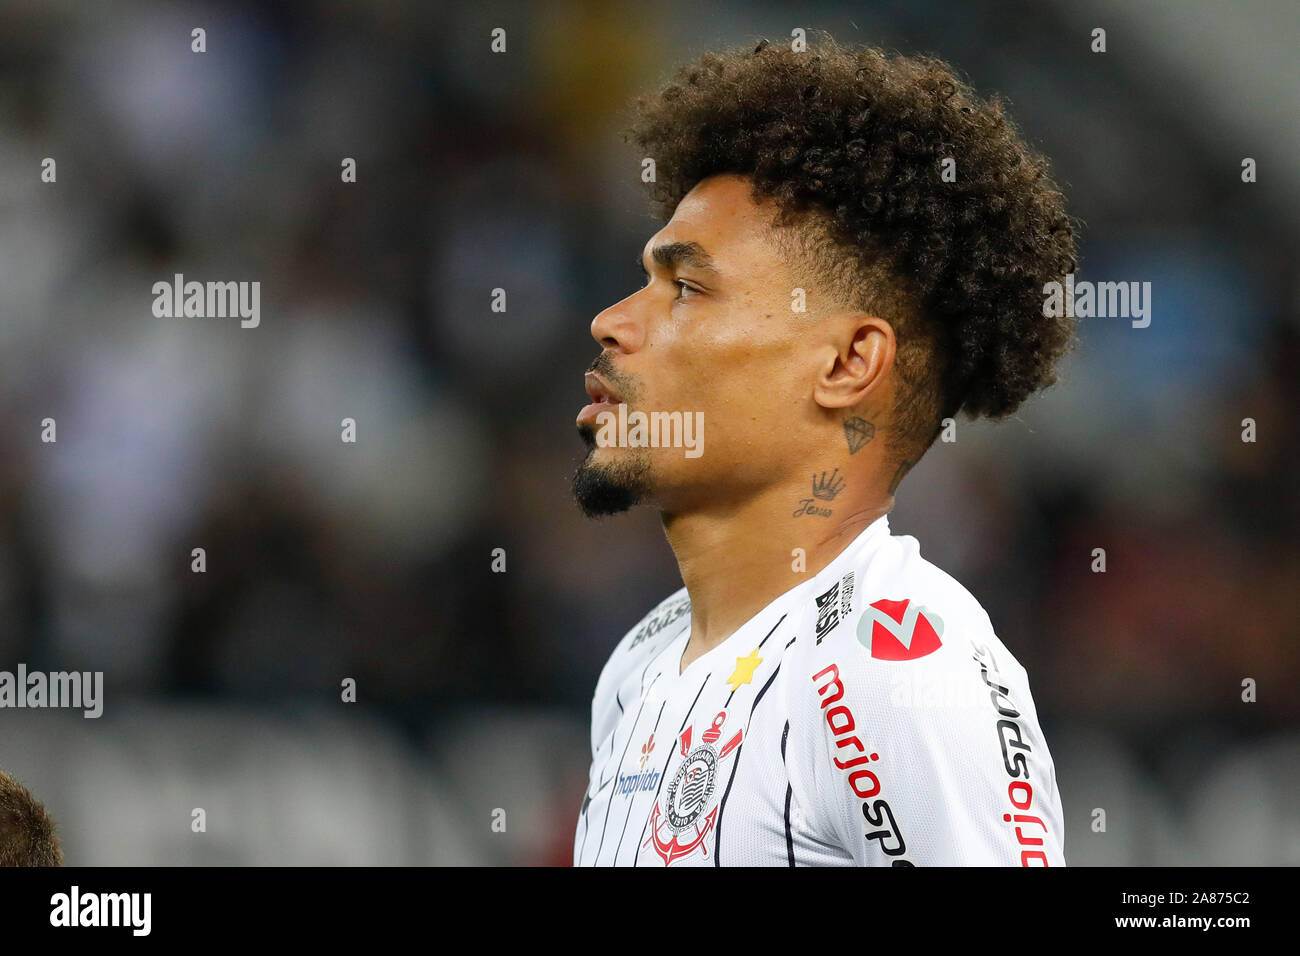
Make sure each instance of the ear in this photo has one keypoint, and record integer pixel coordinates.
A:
(858, 358)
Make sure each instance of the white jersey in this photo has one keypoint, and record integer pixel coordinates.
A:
(867, 717)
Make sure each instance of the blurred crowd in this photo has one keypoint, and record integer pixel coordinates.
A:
(374, 560)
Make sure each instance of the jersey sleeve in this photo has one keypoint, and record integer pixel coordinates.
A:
(937, 761)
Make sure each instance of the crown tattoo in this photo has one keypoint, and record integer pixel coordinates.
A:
(827, 486)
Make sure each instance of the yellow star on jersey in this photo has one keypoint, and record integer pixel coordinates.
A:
(745, 667)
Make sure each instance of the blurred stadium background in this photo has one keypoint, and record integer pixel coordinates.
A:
(372, 561)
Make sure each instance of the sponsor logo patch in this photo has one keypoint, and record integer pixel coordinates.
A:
(899, 630)
(833, 605)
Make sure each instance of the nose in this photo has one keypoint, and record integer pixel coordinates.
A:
(619, 327)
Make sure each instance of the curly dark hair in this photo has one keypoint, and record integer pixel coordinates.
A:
(851, 144)
(27, 835)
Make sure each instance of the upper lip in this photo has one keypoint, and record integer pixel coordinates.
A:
(599, 391)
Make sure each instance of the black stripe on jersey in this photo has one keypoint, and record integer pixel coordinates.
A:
(610, 740)
(614, 731)
(722, 804)
(586, 820)
(636, 856)
(609, 804)
(789, 838)
(773, 631)
(791, 641)
(632, 797)
(586, 825)
(789, 795)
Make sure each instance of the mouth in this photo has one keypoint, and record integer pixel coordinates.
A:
(603, 399)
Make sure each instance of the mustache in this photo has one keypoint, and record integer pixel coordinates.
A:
(624, 384)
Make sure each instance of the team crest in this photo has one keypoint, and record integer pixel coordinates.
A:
(681, 827)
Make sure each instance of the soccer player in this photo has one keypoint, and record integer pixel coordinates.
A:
(857, 250)
(27, 835)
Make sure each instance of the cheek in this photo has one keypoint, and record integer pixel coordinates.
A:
(731, 363)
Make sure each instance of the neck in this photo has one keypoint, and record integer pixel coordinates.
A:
(735, 560)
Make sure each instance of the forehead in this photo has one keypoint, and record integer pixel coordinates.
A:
(720, 214)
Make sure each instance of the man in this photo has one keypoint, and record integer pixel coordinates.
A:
(856, 251)
(26, 829)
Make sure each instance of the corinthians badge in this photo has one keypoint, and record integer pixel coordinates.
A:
(678, 830)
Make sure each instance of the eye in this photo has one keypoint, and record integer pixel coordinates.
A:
(684, 289)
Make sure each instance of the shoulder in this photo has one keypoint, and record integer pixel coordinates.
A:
(636, 648)
(648, 631)
(892, 612)
(898, 645)
(907, 703)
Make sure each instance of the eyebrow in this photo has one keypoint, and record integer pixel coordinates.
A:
(670, 255)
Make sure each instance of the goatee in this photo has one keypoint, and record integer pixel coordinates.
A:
(609, 489)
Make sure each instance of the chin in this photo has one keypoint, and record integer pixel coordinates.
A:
(608, 484)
